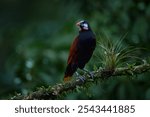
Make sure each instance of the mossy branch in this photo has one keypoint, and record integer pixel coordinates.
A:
(56, 91)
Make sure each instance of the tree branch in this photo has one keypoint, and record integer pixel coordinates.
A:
(57, 90)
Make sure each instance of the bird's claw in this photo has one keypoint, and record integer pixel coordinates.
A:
(91, 75)
(82, 78)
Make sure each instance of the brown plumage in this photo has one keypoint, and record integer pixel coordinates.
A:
(73, 51)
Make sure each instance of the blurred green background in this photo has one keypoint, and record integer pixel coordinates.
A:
(35, 37)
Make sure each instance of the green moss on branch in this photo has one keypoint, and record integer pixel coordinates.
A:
(56, 91)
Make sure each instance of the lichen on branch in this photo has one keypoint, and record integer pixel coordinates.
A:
(56, 91)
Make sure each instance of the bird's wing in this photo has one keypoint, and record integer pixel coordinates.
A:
(73, 51)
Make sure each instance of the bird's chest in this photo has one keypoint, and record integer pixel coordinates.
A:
(85, 41)
(85, 48)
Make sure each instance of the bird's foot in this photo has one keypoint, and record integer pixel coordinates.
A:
(82, 78)
(91, 74)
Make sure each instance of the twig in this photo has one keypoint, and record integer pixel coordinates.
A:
(57, 90)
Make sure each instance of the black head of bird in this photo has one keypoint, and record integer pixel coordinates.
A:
(83, 25)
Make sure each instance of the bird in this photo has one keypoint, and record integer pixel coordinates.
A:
(81, 49)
